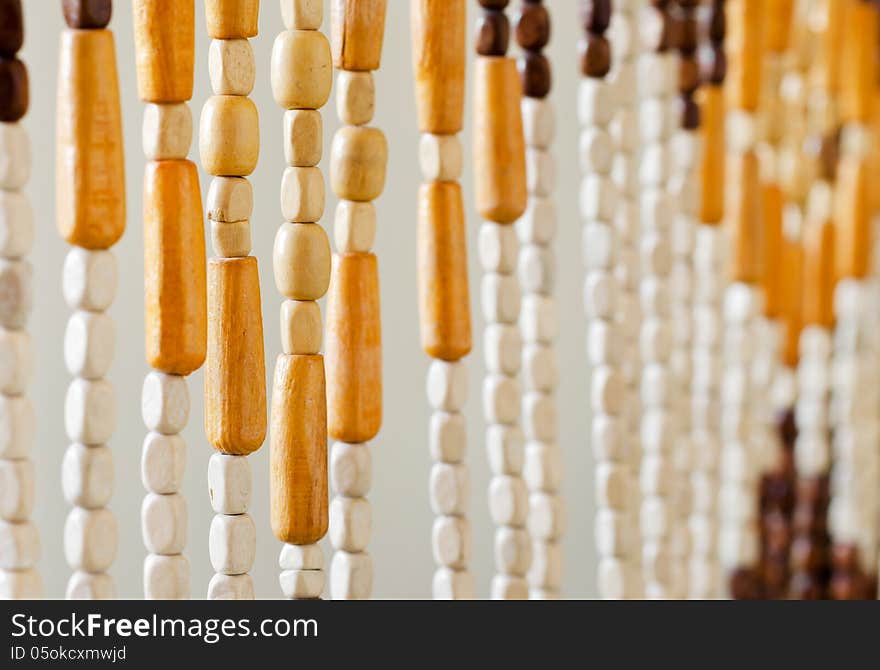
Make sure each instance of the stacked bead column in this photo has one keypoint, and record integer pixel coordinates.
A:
(19, 578)
(354, 335)
(708, 291)
(90, 193)
(439, 29)
(174, 283)
(301, 76)
(536, 269)
(235, 377)
(501, 194)
(743, 304)
(660, 397)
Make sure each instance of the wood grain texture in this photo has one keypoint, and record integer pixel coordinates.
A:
(499, 146)
(11, 27)
(353, 349)
(438, 30)
(164, 37)
(818, 291)
(771, 277)
(793, 288)
(777, 32)
(229, 136)
(745, 51)
(230, 19)
(235, 369)
(852, 218)
(712, 160)
(858, 94)
(90, 165)
(744, 218)
(357, 30)
(358, 160)
(175, 294)
(299, 497)
(444, 299)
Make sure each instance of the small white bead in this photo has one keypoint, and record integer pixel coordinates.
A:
(513, 551)
(15, 156)
(502, 349)
(90, 411)
(17, 426)
(89, 279)
(20, 585)
(351, 469)
(542, 470)
(505, 450)
(447, 386)
(595, 105)
(596, 150)
(539, 122)
(351, 521)
(89, 344)
(540, 172)
(90, 586)
(166, 577)
(232, 543)
(164, 523)
(163, 461)
(16, 293)
(16, 361)
(87, 476)
(546, 516)
(231, 66)
(447, 437)
(537, 225)
(506, 587)
(546, 568)
(20, 548)
(451, 541)
(608, 438)
(351, 576)
(498, 247)
(538, 320)
(607, 390)
(601, 295)
(16, 224)
(301, 557)
(449, 489)
(441, 157)
(501, 399)
(16, 489)
(539, 417)
(536, 269)
(231, 587)
(302, 584)
(90, 539)
(450, 584)
(508, 500)
(229, 483)
(598, 198)
(540, 368)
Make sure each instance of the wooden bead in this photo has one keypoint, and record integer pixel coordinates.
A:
(357, 30)
(771, 279)
(440, 157)
(16, 224)
(499, 151)
(354, 349)
(500, 298)
(449, 488)
(438, 31)
(533, 27)
(165, 403)
(351, 469)
(164, 523)
(89, 279)
(15, 156)
(16, 361)
(501, 400)
(175, 299)
(859, 62)
(17, 490)
(229, 136)
(298, 457)
(232, 543)
(303, 137)
(301, 327)
(302, 14)
(90, 539)
(447, 386)
(447, 437)
(231, 67)
(163, 460)
(444, 301)
(357, 163)
(17, 426)
(90, 411)
(167, 131)
(449, 584)
(536, 75)
(301, 71)
(302, 194)
(164, 36)
(11, 27)
(351, 521)
(493, 34)
(231, 587)
(166, 577)
(21, 545)
(87, 14)
(301, 557)
(354, 229)
(302, 584)
(90, 586)
(508, 501)
(21, 585)
(230, 483)
(14, 89)
(301, 261)
(513, 551)
(89, 344)
(852, 219)
(498, 248)
(351, 576)
(451, 541)
(818, 295)
(231, 240)
(90, 170)
(504, 447)
(16, 293)
(712, 164)
(746, 49)
(235, 377)
(231, 19)
(230, 199)
(744, 212)
(355, 97)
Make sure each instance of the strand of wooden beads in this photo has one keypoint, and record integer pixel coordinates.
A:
(301, 76)
(19, 577)
(708, 290)
(658, 75)
(501, 194)
(615, 519)
(853, 511)
(439, 29)
(90, 192)
(174, 283)
(354, 335)
(542, 469)
(235, 376)
(743, 304)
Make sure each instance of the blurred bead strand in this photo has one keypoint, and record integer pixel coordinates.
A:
(91, 217)
(19, 577)
(301, 76)
(501, 196)
(358, 160)
(235, 377)
(539, 320)
(439, 39)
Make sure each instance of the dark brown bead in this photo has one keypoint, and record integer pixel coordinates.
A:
(785, 424)
(536, 75)
(847, 586)
(660, 4)
(595, 56)
(745, 585)
(807, 554)
(11, 27)
(494, 4)
(533, 27)
(14, 93)
(714, 66)
(807, 520)
(87, 14)
(596, 15)
(845, 557)
(870, 592)
(829, 156)
(688, 75)
(775, 576)
(814, 490)
(493, 34)
(690, 112)
(777, 534)
(668, 37)
(687, 33)
(717, 23)
(805, 586)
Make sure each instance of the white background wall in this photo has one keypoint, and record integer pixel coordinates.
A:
(401, 514)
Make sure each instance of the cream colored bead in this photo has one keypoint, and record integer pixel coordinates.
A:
(508, 501)
(358, 159)
(90, 411)
(16, 224)
(506, 587)
(20, 585)
(513, 551)
(16, 293)
(505, 450)
(231, 240)
(449, 584)
(500, 298)
(301, 261)
(15, 156)
(447, 437)
(90, 539)
(449, 488)
(301, 327)
(165, 403)
(351, 576)
(542, 470)
(16, 490)
(498, 248)
(546, 569)
(229, 136)
(87, 476)
(538, 320)
(17, 426)
(302, 14)
(546, 516)
(539, 417)
(351, 521)
(302, 194)
(441, 157)
(301, 557)
(230, 199)
(166, 577)
(89, 279)
(451, 541)
(301, 69)
(354, 229)
(303, 137)
(163, 461)
(501, 400)
(351, 469)
(538, 224)
(231, 67)
(540, 368)
(540, 172)
(231, 587)
(302, 584)
(539, 122)
(164, 523)
(88, 586)
(502, 349)
(230, 483)
(594, 104)
(447, 385)
(355, 97)
(89, 344)
(16, 361)
(167, 131)
(536, 269)
(232, 543)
